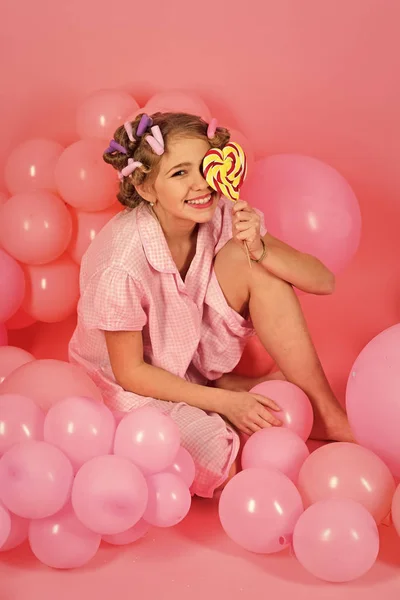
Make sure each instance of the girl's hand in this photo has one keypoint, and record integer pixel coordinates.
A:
(246, 228)
(248, 412)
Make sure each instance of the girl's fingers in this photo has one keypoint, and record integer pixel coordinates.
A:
(267, 402)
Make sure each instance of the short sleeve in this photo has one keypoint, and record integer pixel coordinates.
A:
(223, 223)
(112, 300)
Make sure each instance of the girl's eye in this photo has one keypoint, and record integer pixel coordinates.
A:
(178, 173)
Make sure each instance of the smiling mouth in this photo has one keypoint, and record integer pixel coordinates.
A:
(205, 201)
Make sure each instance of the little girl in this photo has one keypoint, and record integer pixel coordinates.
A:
(168, 300)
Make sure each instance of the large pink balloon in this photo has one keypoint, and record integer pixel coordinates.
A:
(178, 101)
(103, 112)
(20, 320)
(308, 205)
(259, 509)
(52, 290)
(3, 198)
(275, 447)
(296, 411)
(61, 541)
(35, 479)
(396, 509)
(3, 335)
(86, 225)
(11, 358)
(149, 438)
(343, 470)
(132, 534)
(81, 427)
(47, 380)
(12, 286)
(372, 397)
(5, 525)
(169, 500)
(109, 494)
(21, 420)
(18, 533)
(30, 166)
(183, 465)
(83, 179)
(35, 227)
(336, 540)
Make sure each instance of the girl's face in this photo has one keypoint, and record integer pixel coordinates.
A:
(181, 192)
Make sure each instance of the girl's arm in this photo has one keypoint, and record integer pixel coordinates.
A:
(125, 349)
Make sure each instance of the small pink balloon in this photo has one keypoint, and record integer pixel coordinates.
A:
(35, 227)
(5, 525)
(109, 494)
(30, 166)
(35, 479)
(3, 198)
(132, 534)
(336, 540)
(12, 286)
(21, 420)
(376, 374)
(18, 533)
(396, 509)
(183, 466)
(47, 380)
(20, 320)
(275, 447)
(169, 500)
(81, 427)
(11, 358)
(86, 225)
(3, 336)
(259, 508)
(308, 205)
(149, 438)
(61, 541)
(83, 179)
(101, 113)
(296, 411)
(178, 101)
(52, 290)
(343, 470)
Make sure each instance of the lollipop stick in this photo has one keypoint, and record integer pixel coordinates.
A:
(248, 254)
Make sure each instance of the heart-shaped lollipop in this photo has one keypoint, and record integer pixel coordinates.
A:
(225, 170)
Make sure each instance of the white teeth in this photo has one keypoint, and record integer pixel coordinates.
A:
(203, 201)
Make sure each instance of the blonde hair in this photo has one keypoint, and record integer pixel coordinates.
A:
(172, 125)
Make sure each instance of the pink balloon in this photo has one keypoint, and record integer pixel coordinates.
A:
(3, 335)
(296, 411)
(129, 536)
(81, 427)
(308, 205)
(103, 112)
(5, 525)
(35, 227)
(343, 470)
(109, 494)
(18, 533)
(259, 508)
(21, 420)
(30, 166)
(52, 290)
(376, 375)
(239, 137)
(61, 541)
(169, 500)
(12, 286)
(178, 101)
(46, 381)
(149, 438)
(11, 358)
(83, 179)
(278, 448)
(396, 509)
(20, 320)
(3, 198)
(183, 466)
(86, 225)
(35, 479)
(336, 540)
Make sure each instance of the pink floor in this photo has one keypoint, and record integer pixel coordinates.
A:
(193, 560)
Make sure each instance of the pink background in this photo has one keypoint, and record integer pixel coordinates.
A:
(317, 77)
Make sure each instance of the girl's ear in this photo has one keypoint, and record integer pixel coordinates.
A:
(146, 192)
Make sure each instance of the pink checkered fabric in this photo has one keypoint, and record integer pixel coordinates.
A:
(129, 282)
